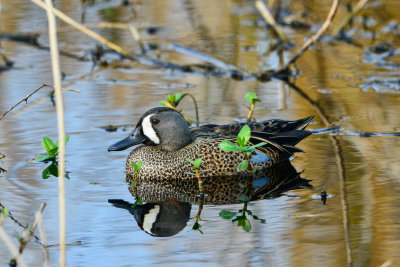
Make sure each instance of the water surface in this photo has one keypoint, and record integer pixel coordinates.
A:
(346, 84)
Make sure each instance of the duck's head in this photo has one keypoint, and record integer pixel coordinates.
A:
(163, 127)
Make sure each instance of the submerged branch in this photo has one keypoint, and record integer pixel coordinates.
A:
(82, 28)
(349, 17)
(314, 38)
(269, 18)
(25, 99)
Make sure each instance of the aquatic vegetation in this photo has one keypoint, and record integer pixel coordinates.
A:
(196, 165)
(136, 166)
(51, 148)
(51, 156)
(242, 139)
(252, 98)
(241, 215)
(173, 100)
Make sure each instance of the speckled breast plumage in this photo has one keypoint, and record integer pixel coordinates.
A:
(159, 164)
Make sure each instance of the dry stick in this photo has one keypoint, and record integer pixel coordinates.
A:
(25, 99)
(83, 29)
(270, 20)
(6, 239)
(61, 127)
(27, 234)
(351, 15)
(137, 38)
(315, 37)
(43, 238)
(11, 216)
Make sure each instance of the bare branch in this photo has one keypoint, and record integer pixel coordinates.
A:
(315, 37)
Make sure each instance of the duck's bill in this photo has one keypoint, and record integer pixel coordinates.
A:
(133, 139)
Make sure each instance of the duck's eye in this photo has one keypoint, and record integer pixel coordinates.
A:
(155, 121)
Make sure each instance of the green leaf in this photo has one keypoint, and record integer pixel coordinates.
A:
(162, 103)
(44, 158)
(171, 99)
(66, 141)
(228, 146)
(252, 97)
(251, 148)
(244, 135)
(249, 212)
(52, 169)
(137, 202)
(226, 214)
(48, 144)
(178, 97)
(197, 163)
(243, 165)
(53, 152)
(197, 227)
(246, 225)
(4, 213)
(137, 165)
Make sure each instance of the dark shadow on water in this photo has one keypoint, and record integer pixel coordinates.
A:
(167, 203)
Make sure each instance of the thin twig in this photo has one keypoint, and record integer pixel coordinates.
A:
(212, 60)
(14, 251)
(82, 28)
(349, 17)
(61, 126)
(25, 99)
(43, 238)
(25, 227)
(28, 233)
(270, 20)
(315, 37)
(137, 38)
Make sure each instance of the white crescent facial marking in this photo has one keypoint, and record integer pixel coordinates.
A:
(149, 131)
(150, 218)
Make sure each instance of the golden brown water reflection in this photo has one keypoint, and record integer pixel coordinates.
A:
(346, 84)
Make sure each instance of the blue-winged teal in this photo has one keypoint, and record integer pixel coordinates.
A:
(165, 141)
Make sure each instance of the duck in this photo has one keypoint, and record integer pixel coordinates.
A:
(164, 141)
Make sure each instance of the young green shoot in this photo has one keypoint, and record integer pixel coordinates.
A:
(51, 156)
(252, 98)
(241, 215)
(136, 168)
(242, 139)
(197, 225)
(196, 165)
(173, 100)
(51, 149)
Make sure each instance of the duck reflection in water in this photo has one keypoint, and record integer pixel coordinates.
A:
(168, 202)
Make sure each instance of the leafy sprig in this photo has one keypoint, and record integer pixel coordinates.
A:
(252, 98)
(242, 139)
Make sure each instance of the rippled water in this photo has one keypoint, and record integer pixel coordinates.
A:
(349, 84)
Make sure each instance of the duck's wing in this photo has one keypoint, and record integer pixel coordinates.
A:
(280, 136)
(285, 142)
(268, 126)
